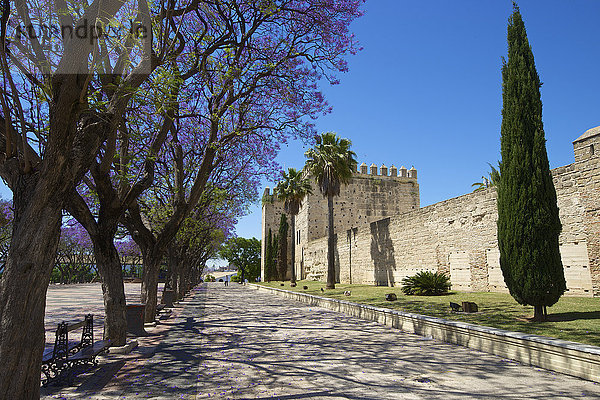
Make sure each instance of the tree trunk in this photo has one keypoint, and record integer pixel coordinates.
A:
(23, 287)
(293, 228)
(109, 267)
(539, 313)
(149, 293)
(183, 280)
(330, 246)
(106, 257)
(174, 268)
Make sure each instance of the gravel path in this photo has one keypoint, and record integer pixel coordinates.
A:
(237, 343)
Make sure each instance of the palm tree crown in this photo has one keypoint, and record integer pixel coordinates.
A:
(291, 190)
(331, 162)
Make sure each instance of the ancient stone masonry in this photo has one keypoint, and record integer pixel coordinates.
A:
(271, 214)
(383, 236)
(368, 197)
(587, 159)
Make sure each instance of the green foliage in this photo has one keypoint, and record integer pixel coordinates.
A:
(282, 247)
(331, 163)
(528, 222)
(267, 199)
(572, 318)
(209, 278)
(490, 181)
(271, 257)
(292, 189)
(426, 283)
(244, 254)
(274, 257)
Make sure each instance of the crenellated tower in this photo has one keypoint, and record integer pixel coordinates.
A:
(373, 193)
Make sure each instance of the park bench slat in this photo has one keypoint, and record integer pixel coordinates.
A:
(49, 352)
(59, 361)
(90, 352)
(76, 324)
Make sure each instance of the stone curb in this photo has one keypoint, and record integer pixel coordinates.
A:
(124, 349)
(570, 358)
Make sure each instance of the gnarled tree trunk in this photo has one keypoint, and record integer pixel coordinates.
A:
(102, 234)
(23, 286)
(113, 290)
(149, 293)
(174, 269)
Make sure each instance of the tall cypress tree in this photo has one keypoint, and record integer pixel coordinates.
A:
(274, 257)
(269, 257)
(282, 264)
(528, 222)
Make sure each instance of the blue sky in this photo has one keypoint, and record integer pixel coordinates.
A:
(426, 90)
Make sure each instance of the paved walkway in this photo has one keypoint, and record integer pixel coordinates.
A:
(236, 343)
(71, 302)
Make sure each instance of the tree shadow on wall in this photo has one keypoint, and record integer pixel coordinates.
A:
(382, 253)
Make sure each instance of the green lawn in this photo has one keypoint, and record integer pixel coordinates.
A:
(572, 318)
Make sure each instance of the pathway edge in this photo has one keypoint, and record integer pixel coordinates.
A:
(570, 358)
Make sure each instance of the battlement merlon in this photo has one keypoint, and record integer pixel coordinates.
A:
(268, 197)
(385, 172)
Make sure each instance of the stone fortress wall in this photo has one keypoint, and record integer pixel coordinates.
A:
(458, 236)
(271, 216)
(368, 197)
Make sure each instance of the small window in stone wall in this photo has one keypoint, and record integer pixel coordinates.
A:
(591, 149)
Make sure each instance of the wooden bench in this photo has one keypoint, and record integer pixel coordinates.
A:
(59, 361)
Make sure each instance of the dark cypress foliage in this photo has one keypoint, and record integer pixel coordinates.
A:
(528, 222)
(269, 257)
(274, 257)
(282, 264)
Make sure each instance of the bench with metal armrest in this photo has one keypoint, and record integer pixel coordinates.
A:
(59, 361)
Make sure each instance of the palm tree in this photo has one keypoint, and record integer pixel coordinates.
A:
(331, 163)
(291, 190)
(494, 178)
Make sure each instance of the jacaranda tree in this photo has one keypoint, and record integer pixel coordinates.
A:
(255, 67)
(55, 118)
(250, 98)
(528, 221)
(331, 163)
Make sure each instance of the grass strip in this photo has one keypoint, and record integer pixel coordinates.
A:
(573, 318)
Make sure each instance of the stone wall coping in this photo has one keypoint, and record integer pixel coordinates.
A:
(595, 350)
(588, 134)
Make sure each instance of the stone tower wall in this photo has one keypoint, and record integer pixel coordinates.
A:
(367, 198)
(587, 159)
(271, 215)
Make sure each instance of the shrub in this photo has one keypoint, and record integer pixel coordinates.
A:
(426, 283)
